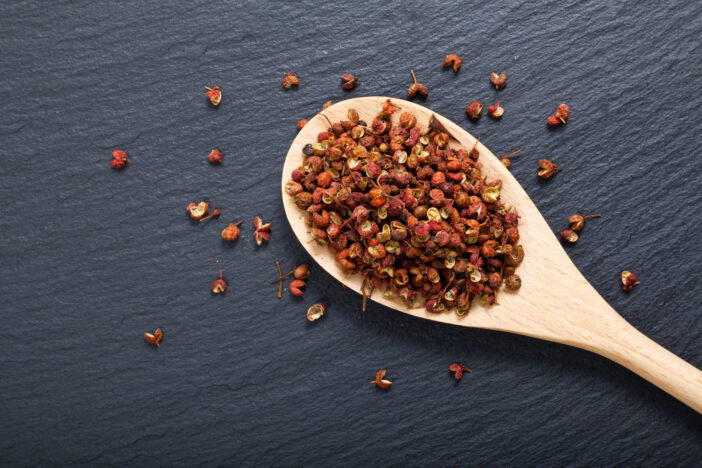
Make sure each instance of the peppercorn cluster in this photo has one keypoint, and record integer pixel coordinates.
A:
(394, 203)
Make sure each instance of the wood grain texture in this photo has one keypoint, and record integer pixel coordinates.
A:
(555, 303)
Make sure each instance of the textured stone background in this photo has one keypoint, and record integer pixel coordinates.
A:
(92, 257)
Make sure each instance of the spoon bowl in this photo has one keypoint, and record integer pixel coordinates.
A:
(555, 303)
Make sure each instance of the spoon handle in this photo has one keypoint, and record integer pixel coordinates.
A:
(624, 344)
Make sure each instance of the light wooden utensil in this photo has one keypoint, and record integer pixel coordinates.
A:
(555, 303)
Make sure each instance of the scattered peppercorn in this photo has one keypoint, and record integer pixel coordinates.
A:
(155, 337)
(316, 312)
(457, 369)
(215, 214)
(290, 80)
(119, 159)
(453, 60)
(302, 272)
(563, 112)
(629, 280)
(348, 81)
(416, 88)
(577, 222)
(553, 121)
(474, 109)
(198, 210)
(295, 286)
(569, 235)
(396, 204)
(560, 117)
(547, 168)
(495, 111)
(261, 231)
(214, 95)
(219, 286)
(231, 232)
(500, 81)
(505, 159)
(215, 156)
(380, 380)
(301, 124)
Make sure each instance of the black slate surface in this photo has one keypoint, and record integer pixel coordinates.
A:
(92, 257)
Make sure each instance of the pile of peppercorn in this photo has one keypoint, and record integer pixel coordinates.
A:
(397, 205)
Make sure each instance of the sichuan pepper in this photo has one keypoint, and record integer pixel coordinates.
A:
(301, 272)
(295, 287)
(499, 81)
(547, 168)
(576, 223)
(414, 216)
(457, 369)
(505, 159)
(232, 231)
(453, 60)
(214, 95)
(560, 117)
(119, 159)
(495, 111)
(155, 337)
(396, 204)
(348, 81)
(215, 157)
(474, 109)
(301, 124)
(290, 80)
(261, 231)
(198, 210)
(316, 312)
(380, 379)
(417, 88)
(629, 280)
(219, 286)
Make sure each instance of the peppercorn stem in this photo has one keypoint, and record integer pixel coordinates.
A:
(215, 214)
(284, 276)
(415, 82)
(513, 153)
(592, 216)
(280, 280)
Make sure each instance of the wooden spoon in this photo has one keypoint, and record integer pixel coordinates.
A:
(555, 303)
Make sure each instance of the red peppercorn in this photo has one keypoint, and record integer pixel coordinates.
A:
(119, 159)
(301, 124)
(457, 369)
(563, 112)
(214, 95)
(290, 80)
(500, 81)
(495, 111)
(416, 89)
(553, 121)
(474, 109)
(453, 60)
(348, 81)
(155, 337)
(215, 157)
(219, 286)
(629, 280)
(295, 286)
